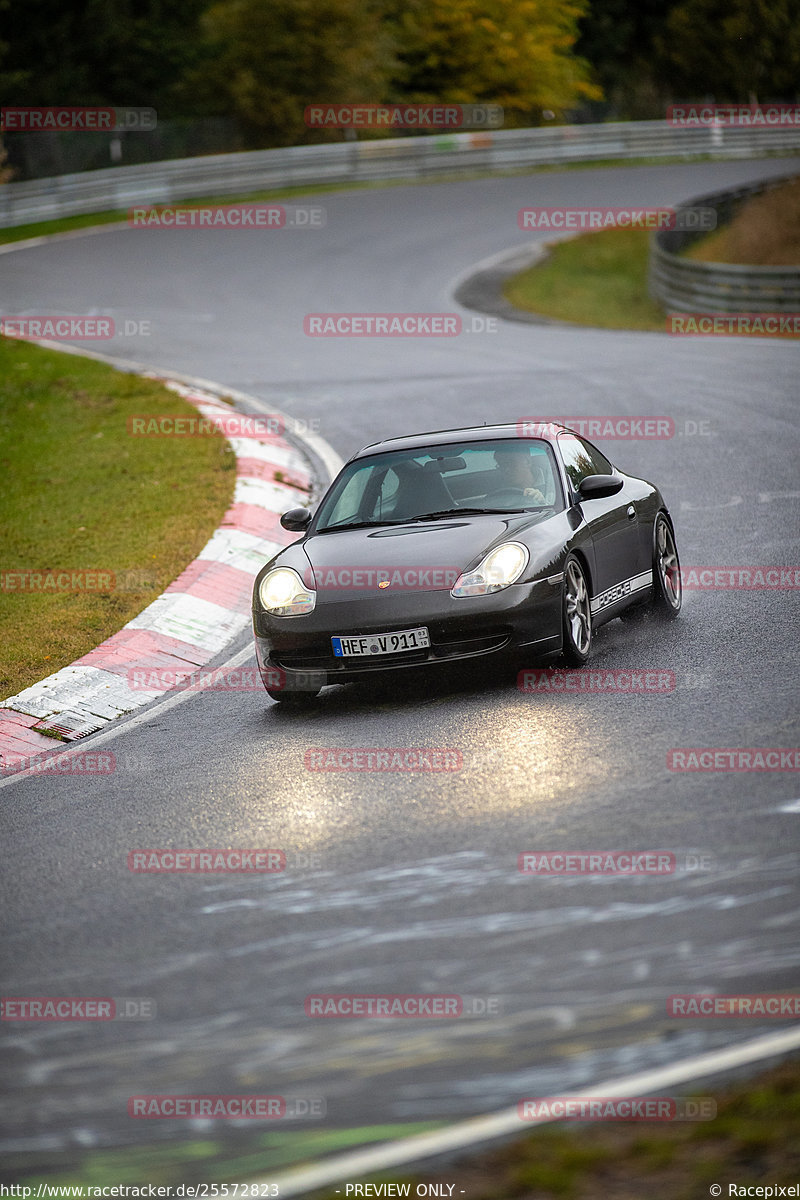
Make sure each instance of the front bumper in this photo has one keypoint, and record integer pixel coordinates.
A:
(295, 653)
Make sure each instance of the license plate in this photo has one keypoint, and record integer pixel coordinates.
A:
(356, 645)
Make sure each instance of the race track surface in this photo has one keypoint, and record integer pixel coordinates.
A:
(405, 883)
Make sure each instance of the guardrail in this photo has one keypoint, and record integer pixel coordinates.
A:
(684, 285)
(413, 158)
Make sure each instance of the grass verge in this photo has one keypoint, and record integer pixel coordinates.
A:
(79, 493)
(219, 1157)
(752, 1140)
(595, 279)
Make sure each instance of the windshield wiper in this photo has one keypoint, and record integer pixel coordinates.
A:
(357, 525)
(458, 512)
(430, 516)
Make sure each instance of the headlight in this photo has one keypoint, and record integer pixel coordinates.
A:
(502, 566)
(283, 593)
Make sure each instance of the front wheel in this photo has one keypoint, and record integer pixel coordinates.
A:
(577, 615)
(667, 588)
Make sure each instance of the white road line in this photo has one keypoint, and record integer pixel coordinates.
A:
(332, 462)
(157, 709)
(468, 1134)
(247, 490)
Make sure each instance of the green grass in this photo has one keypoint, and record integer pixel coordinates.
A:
(80, 493)
(752, 1140)
(245, 1155)
(595, 279)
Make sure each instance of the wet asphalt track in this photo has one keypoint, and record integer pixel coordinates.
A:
(410, 883)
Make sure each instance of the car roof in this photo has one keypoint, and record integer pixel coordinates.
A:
(543, 431)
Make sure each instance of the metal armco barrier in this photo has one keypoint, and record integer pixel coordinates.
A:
(683, 285)
(412, 158)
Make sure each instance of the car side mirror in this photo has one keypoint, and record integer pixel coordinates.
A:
(296, 519)
(595, 487)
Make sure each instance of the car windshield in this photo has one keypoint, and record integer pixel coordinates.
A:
(498, 475)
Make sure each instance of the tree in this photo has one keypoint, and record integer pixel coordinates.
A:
(736, 50)
(516, 53)
(617, 37)
(265, 62)
(117, 52)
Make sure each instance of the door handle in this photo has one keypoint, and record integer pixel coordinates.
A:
(631, 512)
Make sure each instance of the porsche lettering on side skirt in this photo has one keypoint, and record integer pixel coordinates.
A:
(627, 588)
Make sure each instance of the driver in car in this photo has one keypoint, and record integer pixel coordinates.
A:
(517, 472)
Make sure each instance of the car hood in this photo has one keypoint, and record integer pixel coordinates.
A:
(444, 548)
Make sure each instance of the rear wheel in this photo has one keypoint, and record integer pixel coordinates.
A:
(667, 594)
(667, 589)
(577, 615)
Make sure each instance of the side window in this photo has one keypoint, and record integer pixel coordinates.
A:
(599, 461)
(581, 459)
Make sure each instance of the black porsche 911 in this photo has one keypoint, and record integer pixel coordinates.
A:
(455, 545)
